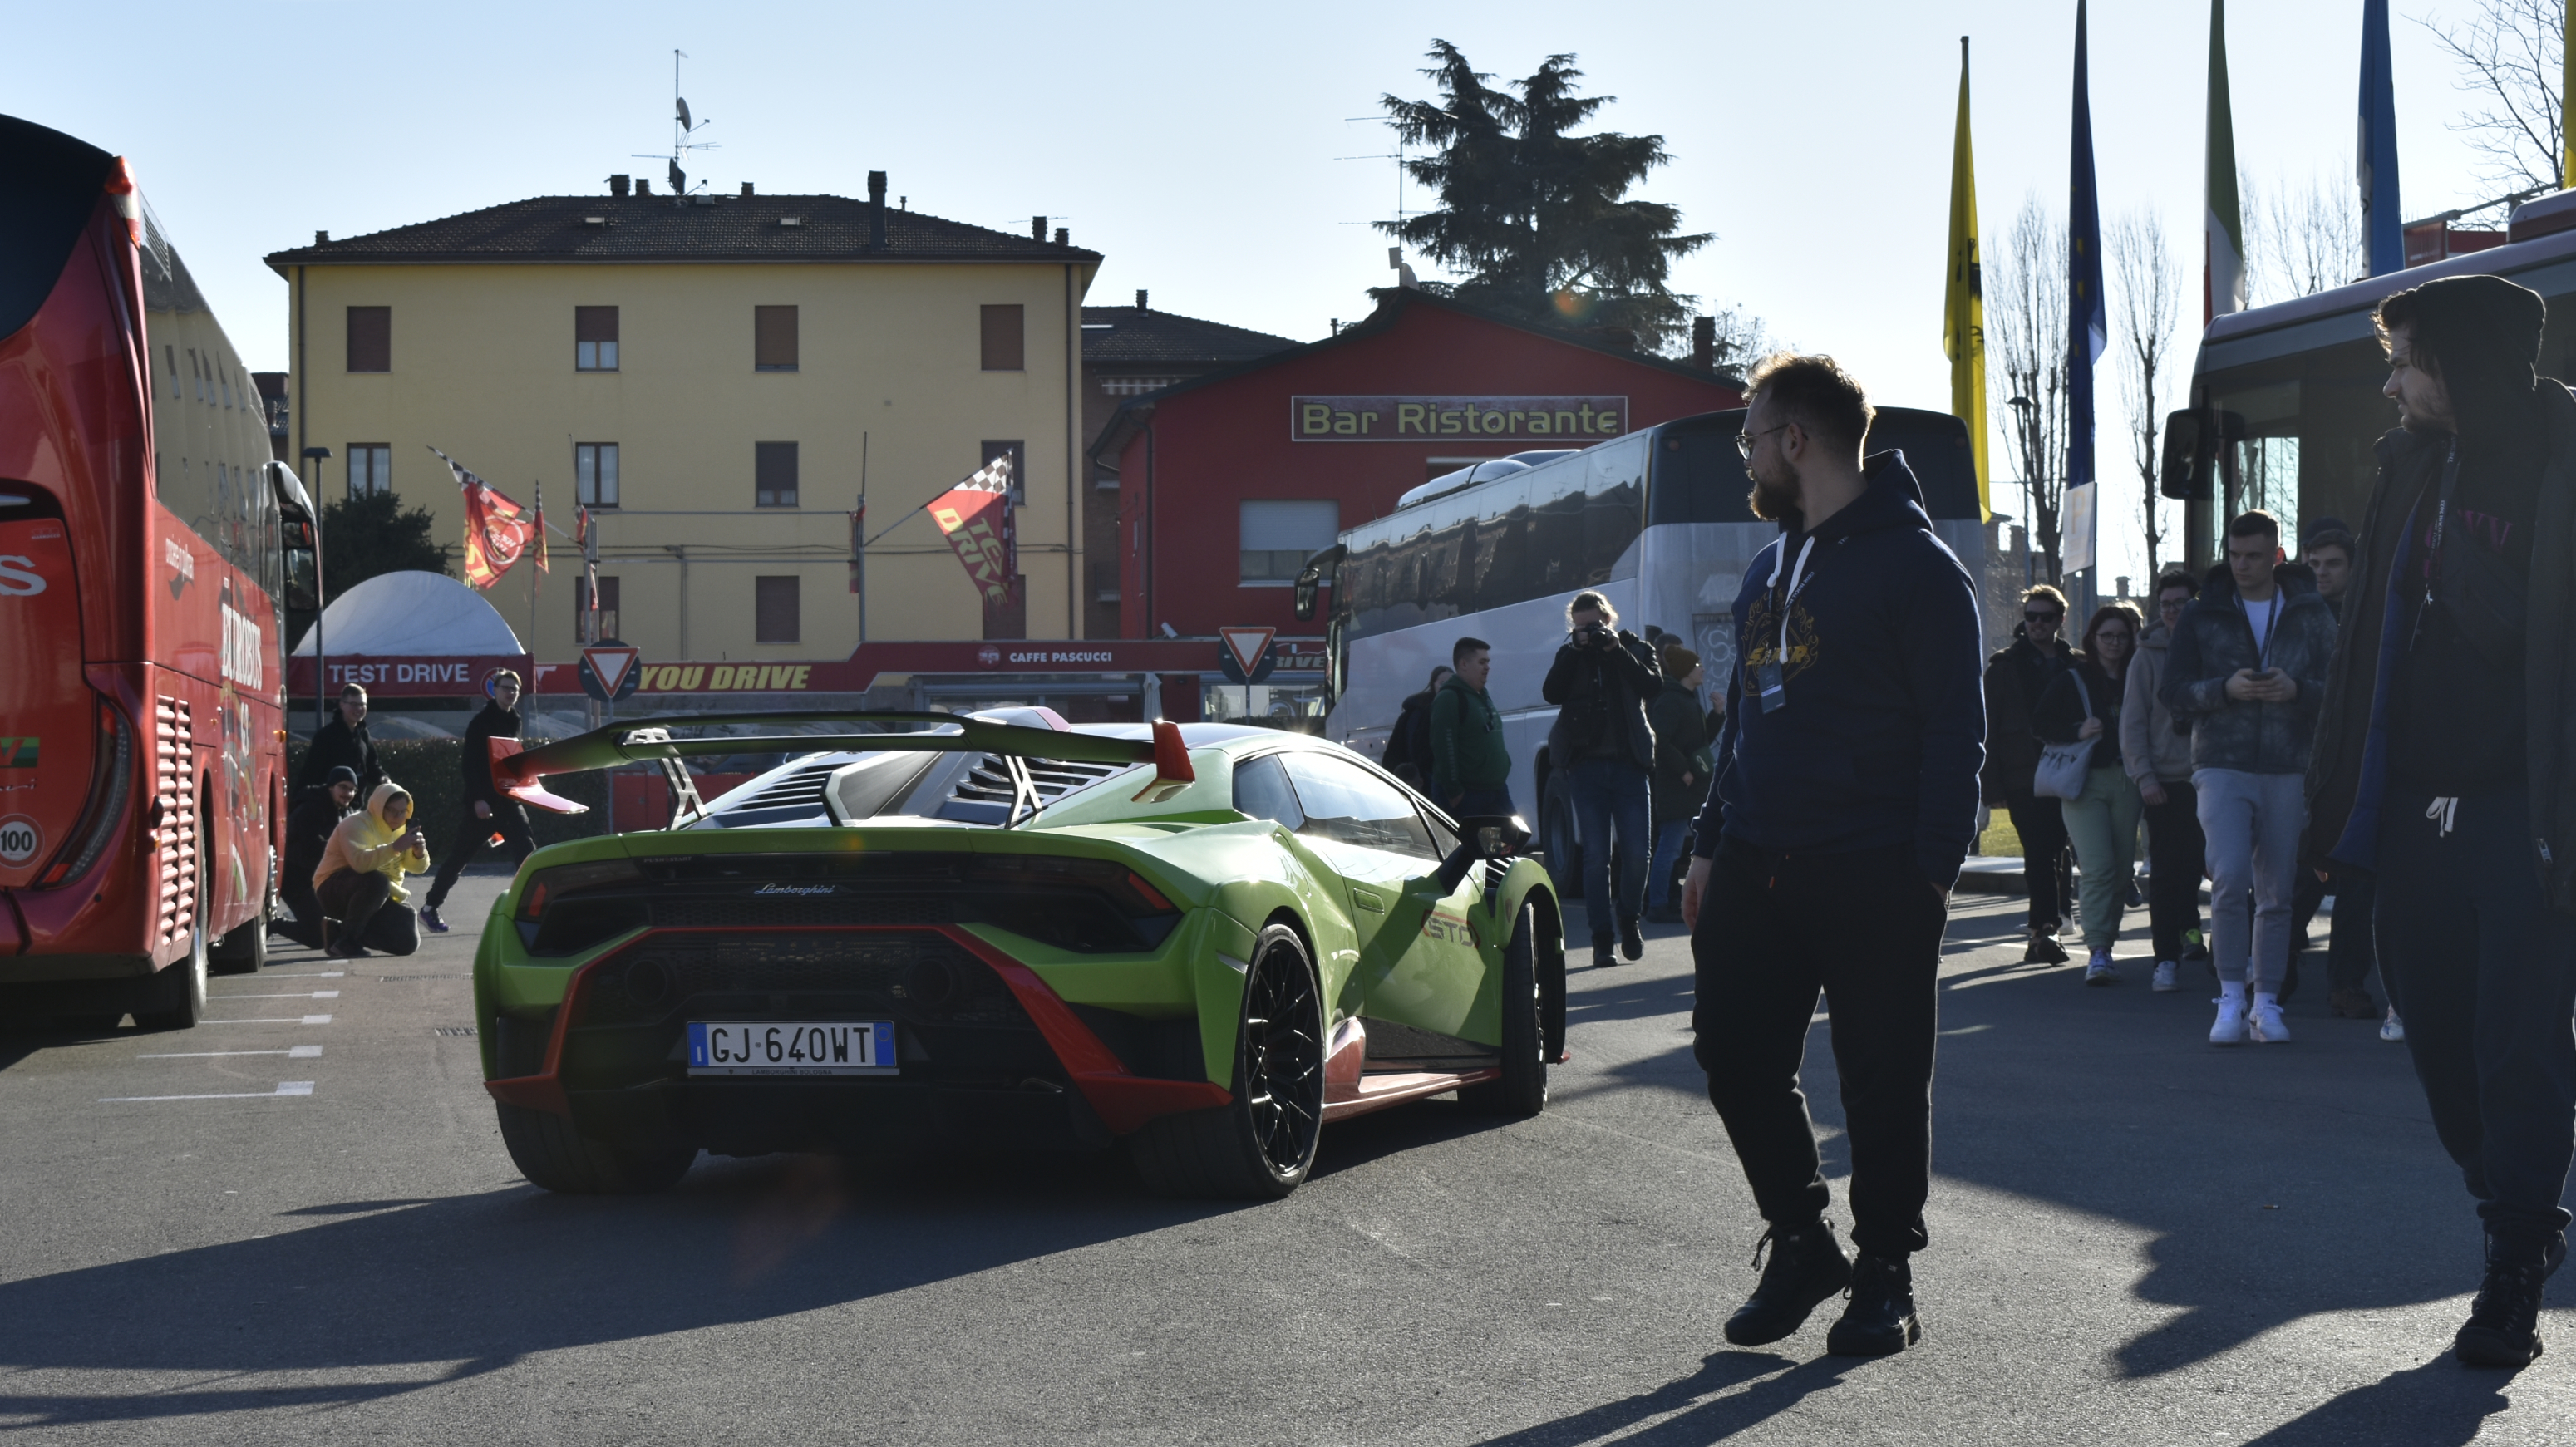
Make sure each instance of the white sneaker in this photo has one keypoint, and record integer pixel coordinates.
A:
(2269, 1027)
(2165, 983)
(2392, 1028)
(2230, 1029)
(2100, 971)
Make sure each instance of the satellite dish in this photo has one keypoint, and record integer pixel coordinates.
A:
(684, 112)
(679, 180)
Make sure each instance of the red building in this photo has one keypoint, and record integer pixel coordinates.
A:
(1228, 481)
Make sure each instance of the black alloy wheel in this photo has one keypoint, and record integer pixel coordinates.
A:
(1522, 1090)
(1260, 1145)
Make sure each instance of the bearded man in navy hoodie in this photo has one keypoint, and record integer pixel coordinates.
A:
(1843, 804)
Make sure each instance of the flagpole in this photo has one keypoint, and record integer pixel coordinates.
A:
(858, 536)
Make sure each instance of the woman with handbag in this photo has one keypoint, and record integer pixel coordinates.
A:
(2077, 724)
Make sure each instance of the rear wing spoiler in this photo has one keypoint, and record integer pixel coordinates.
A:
(517, 770)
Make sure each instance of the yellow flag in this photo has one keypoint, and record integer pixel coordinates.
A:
(1963, 312)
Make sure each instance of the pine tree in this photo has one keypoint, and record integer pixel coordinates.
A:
(1535, 215)
(372, 533)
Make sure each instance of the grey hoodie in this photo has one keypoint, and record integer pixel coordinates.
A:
(2151, 748)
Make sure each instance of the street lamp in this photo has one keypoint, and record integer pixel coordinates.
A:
(314, 457)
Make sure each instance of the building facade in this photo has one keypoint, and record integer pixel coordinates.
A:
(717, 379)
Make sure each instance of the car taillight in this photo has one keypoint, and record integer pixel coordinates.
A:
(107, 806)
(129, 201)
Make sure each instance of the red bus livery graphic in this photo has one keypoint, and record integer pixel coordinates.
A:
(146, 543)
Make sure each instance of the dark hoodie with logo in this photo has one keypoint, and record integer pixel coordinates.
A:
(1882, 732)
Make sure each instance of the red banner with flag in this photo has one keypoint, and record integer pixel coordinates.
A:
(497, 530)
(975, 516)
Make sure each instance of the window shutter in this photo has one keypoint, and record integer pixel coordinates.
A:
(775, 610)
(371, 339)
(1005, 339)
(773, 340)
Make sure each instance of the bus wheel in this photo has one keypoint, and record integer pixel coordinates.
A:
(175, 999)
(244, 951)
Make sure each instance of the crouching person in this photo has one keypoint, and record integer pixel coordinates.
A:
(360, 880)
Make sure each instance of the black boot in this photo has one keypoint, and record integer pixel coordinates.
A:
(2503, 1329)
(1603, 956)
(1806, 1267)
(1632, 940)
(2043, 950)
(1880, 1320)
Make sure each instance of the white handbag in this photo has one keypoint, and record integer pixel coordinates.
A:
(2063, 768)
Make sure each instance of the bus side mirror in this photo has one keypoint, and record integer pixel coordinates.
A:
(303, 571)
(1318, 572)
(2185, 474)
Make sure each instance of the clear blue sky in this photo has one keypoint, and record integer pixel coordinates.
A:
(1195, 145)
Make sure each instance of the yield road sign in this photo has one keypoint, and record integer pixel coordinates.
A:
(609, 672)
(1246, 656)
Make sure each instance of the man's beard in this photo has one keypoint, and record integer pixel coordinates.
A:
(1775, 502)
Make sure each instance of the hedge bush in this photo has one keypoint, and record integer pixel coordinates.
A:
(431, 769)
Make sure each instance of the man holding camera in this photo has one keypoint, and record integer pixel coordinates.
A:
(1601, 682)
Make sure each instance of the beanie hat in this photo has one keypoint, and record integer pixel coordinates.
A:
(341, 774)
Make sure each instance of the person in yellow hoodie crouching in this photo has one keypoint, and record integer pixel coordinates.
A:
(359, 881)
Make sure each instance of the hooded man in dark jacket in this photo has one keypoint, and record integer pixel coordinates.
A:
(1601, 681)
(308, 833)
(1845, 796)
(342, 743)
(488, 813)
(2015, 678)
(2446, 763)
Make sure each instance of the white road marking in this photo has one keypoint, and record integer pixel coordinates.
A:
(274, 1020)
(307, 975)
(292, 1052)
(315, 995)
(284, 1087)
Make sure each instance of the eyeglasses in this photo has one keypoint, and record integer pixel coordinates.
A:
(1745, 441)
(2043, 617)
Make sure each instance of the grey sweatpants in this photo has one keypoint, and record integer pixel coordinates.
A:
(2252, 822)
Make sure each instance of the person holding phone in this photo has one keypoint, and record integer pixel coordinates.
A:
(2247, 668)
(359, 881)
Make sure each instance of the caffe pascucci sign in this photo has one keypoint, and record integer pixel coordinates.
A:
(1581, 420)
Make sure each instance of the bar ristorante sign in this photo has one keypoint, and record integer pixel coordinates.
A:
(1580, 420)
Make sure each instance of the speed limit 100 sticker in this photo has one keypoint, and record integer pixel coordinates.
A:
(19, 839)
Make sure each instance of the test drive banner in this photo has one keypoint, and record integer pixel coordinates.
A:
(863, 667)
(1576, 421)
(975, 517)
(406, 674)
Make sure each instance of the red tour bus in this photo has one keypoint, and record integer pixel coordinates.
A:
(147, 543)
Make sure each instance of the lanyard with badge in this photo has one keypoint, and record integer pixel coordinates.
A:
(1770, 682)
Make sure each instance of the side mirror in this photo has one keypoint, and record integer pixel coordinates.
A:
(1486, 836)
(1319, 572)
(2185, 473)
(303, 570)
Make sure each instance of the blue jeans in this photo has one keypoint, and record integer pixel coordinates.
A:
(1668, 851)
(1610, 802)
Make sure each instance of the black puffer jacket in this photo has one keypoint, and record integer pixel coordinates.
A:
(2015, 678)
(1601, 696)
(2213, 640)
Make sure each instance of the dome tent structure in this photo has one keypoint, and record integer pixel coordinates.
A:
(412, 614)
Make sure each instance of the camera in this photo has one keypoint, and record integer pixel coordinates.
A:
(1591, 634)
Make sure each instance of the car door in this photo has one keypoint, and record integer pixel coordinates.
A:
(1419, 964)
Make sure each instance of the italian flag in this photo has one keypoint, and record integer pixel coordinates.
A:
(2223, 224)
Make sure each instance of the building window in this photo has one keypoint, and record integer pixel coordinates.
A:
(1018, 452)
(594, 473)
(594, 338)
(775, 612)
(371, 339)
(773, 338)
(774, 473)
(1278, 537)
(608, 620)
(371, 468)
(1005, 339)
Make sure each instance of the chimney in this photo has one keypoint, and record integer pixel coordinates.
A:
(1037, 228)
(1140, 300)
(1704, 343)
(643, 185)
(617, 185)
(321, 238)
(876, 210)
(1064, 236)
(746, 188)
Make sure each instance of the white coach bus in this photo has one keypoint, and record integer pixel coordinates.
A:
(1655, 521)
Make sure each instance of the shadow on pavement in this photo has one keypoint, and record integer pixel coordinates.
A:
(1706, 1413)
(2439, 1404)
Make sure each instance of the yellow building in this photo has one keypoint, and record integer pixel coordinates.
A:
(715, 376)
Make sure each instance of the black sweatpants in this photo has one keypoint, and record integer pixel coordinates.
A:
(1865, 929)
(473, 836)
(2176, 853)
(2047, 858)
(2484, 972)
(362, 901)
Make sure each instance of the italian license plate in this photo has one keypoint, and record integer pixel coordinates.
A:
(838, 1047)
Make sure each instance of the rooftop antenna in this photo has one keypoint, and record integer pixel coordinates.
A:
(682, 127)
(1398, 155)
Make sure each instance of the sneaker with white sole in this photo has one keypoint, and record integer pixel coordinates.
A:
(2230, 1028)
(2100, 971)
(430, 921)
(2392, 1029)
(2269, 1027)
(2165, 983)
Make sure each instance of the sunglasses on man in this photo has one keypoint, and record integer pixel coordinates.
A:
(2048, 615)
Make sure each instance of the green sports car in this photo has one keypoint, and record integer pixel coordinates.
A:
(1206, 941)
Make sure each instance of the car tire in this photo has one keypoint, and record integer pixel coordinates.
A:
(244, 951)
(1522, 1090)
(175, 998)
(1564, 845)
(1260, 1145)
(552, 1154)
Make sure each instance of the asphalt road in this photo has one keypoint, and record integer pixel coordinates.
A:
(2136, 1238)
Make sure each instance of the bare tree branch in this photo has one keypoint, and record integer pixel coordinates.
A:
(2511, 55)
(2025, 291)
(2299, 239)
(2148, 281)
